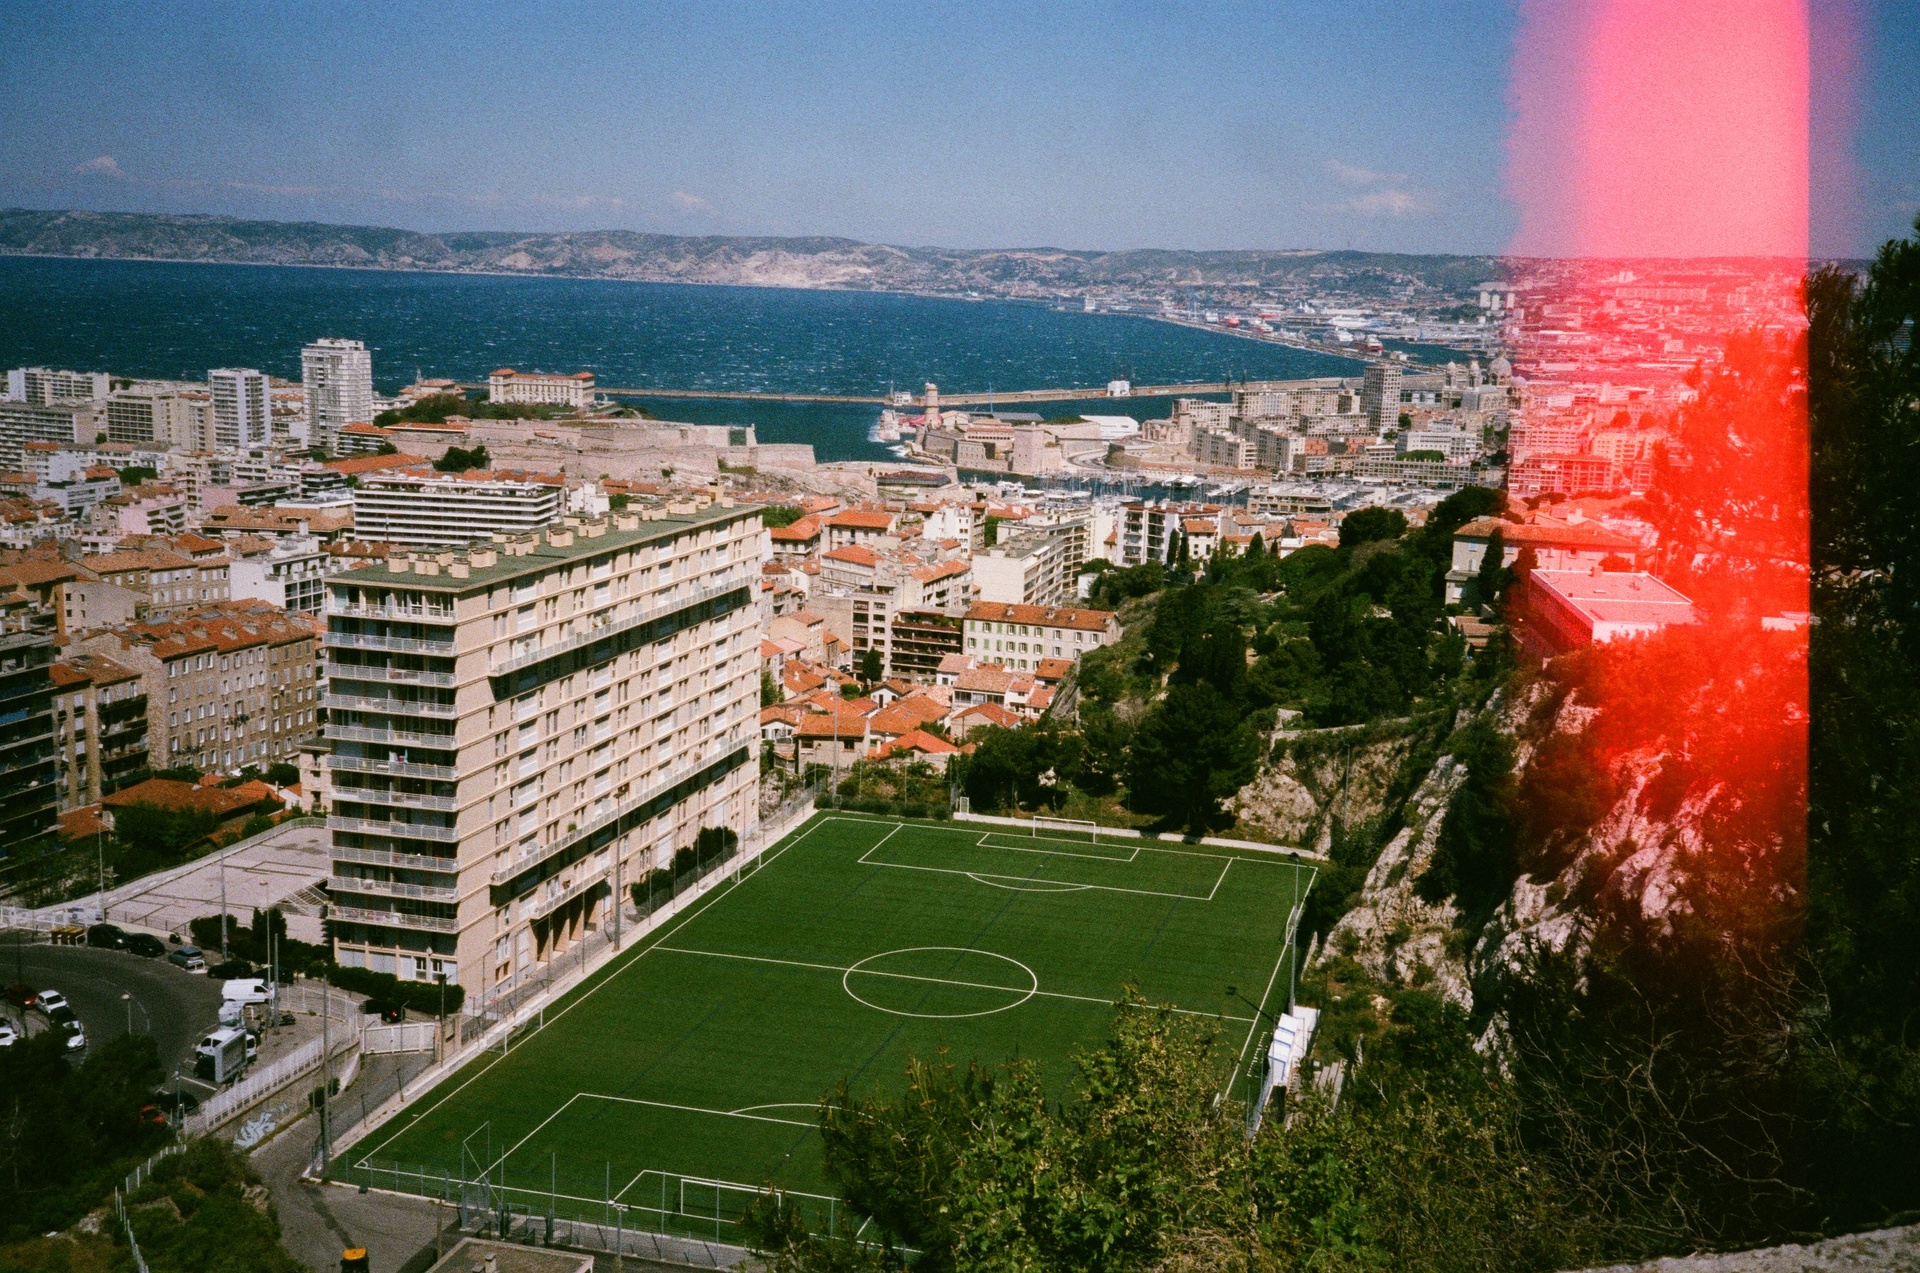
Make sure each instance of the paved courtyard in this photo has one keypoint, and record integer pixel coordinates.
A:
(260, 874)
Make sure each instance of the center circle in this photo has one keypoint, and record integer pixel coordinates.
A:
(941, 982)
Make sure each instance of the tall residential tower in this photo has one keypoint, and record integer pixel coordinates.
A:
(338, 376)
(241, 407)
(522, 728)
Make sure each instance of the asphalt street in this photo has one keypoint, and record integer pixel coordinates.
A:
(174, 1006)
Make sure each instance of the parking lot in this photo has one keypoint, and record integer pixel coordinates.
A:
(174, 1006)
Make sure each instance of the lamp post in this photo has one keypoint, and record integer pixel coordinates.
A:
(127, 999)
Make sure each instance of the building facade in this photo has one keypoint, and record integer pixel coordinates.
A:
(240, 406)
(425, 508)
(29, 792)
(43, 386)
(541, 389)
(338, 378)
(523, 728)
(100, 724)
(1018, 636)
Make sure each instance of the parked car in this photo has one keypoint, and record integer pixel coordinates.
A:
(152, 1116)
(64, 1020)
(7, 1034)
(231, 970)
(107, 936)
(51, 1001)
(146, 945)
(188, 957)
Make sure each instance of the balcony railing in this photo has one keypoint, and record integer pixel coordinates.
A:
(633, 620)
(545, 906)
(397, 768)
(389, 857)
(395, 706)
(404, 830)
(393, 644)
(405, 737)
(393, 919)
(399, 614)
(399, 799)
(394, 888)
(391, 675)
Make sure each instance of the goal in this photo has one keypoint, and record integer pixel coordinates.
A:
(1074, 826)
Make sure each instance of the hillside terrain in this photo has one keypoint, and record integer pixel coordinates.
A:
(815, 262)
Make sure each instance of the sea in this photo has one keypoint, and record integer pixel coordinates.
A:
(176, 320)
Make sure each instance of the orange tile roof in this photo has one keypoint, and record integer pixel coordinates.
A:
(356, 464)
(853, 554)
(1040, 616)
(862, 519)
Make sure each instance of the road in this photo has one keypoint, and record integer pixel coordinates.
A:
(174, 1006)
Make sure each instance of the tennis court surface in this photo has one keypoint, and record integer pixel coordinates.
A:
(684, 1076)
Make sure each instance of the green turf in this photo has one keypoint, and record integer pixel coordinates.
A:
(702, 1051)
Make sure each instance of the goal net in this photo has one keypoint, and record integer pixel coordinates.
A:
(1075, 827)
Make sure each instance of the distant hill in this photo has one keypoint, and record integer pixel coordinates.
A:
(768, 262)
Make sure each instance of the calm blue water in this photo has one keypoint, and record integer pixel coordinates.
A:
(174, 320)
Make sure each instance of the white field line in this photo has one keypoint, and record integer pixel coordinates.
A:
(701, 1109)
(1052, 853)
(1286, 944)
(632, 956)
(939, 981)
(1027, 879)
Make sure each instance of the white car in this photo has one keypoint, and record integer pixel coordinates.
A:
(51, 1001)
(76, 1037)
(7, 1034)
(246, 990)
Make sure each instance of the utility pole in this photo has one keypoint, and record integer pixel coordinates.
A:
(223, 906)
(326, 1066)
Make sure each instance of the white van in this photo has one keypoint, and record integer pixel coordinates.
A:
(247, 990)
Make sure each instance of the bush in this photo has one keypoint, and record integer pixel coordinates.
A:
(416, 996)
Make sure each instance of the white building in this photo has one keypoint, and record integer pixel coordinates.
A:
(291, 574)
(59, 422)
(541, 389)
(42, 386)
(338, 378)
(522, 730)
(241, 408)
(420, 506)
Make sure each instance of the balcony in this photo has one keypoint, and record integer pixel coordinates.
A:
(633, 620)
(394, 706)
(398, 799)
(545, 906)
(402, 861)
(396, 768)
(398, 614)
(391, 644)
(403, 830)
(393, 919)
(394, 888)
(404, 737)
(391, 675)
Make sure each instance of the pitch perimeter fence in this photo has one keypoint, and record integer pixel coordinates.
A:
(657, 1203)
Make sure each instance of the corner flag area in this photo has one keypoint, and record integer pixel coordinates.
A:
(683, 1078)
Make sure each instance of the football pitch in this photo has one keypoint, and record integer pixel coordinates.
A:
(698, 1056)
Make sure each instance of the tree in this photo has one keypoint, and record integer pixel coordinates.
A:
(1195, 749)
(777, 515)
(1493, 576)
(872, 667)
(991, 536)
(282, 774)
(770, 692)
(1369, 525)
(164, 833)
(460, 460)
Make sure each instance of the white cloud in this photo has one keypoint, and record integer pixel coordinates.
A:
(1354, 175)
(103, 166)
(1382, 203)
(690, 202)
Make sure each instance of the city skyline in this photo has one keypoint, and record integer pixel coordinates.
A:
(1208, 128)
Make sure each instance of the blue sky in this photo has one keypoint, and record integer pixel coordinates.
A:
(1245, 124)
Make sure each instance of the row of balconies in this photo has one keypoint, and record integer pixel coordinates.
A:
(399, 799)
(404, 830)
(394, 888)
(396, 768)
(390, 675)
(396, 706)
(393, 857)
(394, 919)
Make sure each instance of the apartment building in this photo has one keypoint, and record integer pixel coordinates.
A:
(43, 386)
(240, 406)
(170, 581)
(1032, 568)
(419, 506)
(524, 727)
(100, 728)
(159, 415)
(541, 389)
(226, 687)
(1019, 636)
(29, 794)
(61, 422)
(338, 378)
(1380, 395)
(291, 573)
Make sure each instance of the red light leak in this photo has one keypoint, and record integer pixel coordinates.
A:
(1659, 159)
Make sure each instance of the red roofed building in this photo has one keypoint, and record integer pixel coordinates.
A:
(1556, 546)
(799, 539)
(860, 526)
(541, 389)
(1020, 636)
(1566, 609)
(100, 727)
(916, 745)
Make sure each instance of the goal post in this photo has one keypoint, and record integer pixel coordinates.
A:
(1077, 826)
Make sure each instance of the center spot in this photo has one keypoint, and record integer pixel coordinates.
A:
(940, 982)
